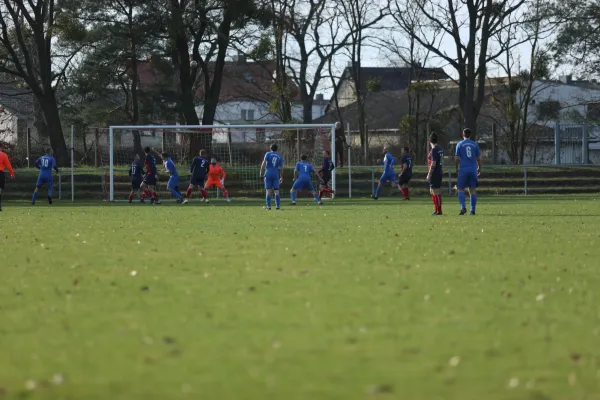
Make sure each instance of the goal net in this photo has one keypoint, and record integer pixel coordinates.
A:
(239, 149)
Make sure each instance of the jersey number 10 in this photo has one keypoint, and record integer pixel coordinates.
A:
(44, 162)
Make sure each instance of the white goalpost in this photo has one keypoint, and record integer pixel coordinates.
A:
(238, 147)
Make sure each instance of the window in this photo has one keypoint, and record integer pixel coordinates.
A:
(549, 109)
(248, 115)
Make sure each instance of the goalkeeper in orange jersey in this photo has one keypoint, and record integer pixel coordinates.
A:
(216, 178)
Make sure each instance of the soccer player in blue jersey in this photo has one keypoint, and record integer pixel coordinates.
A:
(404, 177)
(150, 179)
(173, 183)
(304, 171)
(389, 175)
(198, 173)
(135, 174)
(325, 174)
(434, 176)
(273, 166)
(45, 164)
(468, 168)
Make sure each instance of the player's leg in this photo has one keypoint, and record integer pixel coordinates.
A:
(173, 186)
(38, 185)
(473, 183)
(2, 180)
(203, 187)
(382, 180)
(225, 192)
(312, 190)
(50, 184)
(276, 191)
(460, 186)
(268, 181)
(190, 189)
(293, 191)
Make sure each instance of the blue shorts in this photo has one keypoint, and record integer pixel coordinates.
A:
(389, 176)
(44, 180)
(303, 184)
(272, 182)
(173, 182)
(467, 179)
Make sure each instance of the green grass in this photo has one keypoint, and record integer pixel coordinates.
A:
(353, 300)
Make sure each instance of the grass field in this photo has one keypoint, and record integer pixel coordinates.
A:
(352, 300)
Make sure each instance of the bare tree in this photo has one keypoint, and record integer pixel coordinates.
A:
(316, 31)
(27, 53)
(470, 25)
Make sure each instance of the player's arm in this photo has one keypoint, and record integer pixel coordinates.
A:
(37, 163)
(432, 166)
(457, 158)
(223, 175)
(9, 167)
(404, 168)
(262, 167)
(54, 166)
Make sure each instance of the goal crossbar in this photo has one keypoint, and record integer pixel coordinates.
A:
(195, 127)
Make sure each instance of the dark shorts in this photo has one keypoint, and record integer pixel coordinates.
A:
(324, 179)
(135, 184)
(150, 180)
(404, 179)
(436, 181)
(197, 180)
(2, 179)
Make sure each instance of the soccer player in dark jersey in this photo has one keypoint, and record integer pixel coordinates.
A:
(150, 179)
(198, 173)
(135, 174)
(468, 168)
(273, 166)
(406, 163)
(435, 174)
(45, 164)
(325, 174)
(304, 171)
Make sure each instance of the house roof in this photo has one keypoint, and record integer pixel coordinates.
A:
(242, 81)
(396, 78)
(385, 109)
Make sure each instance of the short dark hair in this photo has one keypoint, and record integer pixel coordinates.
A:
(274, 147)
(467, 132)
(328, 152)
(147, 150)
(48, 150)
(406, 149)
(433, 138)
(165, 155)
(202, 152)
(304, 157)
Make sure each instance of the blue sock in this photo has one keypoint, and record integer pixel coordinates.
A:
(378, 191)
(277, 200)
(473, 202)
(293, 196)
(175, 193)
(268, 201)
(462, 200)
(34, 198)
(316, 196)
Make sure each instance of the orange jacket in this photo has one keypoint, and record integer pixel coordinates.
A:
(215, 172)
(5, 163)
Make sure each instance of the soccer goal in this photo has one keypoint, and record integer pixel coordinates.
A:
(239, 149)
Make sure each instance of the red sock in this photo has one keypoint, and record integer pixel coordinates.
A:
(144, 194)
(439, 201)
(130, 198)
(189, 193)
(406, 193)
(225, 193)
(203, 193)
(434, 200)
(328, 190)
(321, 193)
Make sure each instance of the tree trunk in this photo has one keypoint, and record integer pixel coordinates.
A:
(307, 105)
(55, 132)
